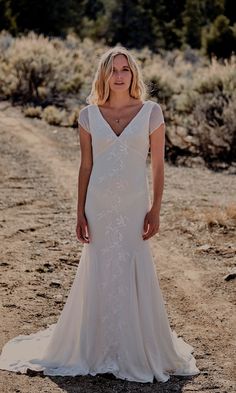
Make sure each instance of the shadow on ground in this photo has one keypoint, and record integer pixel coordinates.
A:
(108, 383)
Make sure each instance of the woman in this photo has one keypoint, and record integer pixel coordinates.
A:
(114, 319)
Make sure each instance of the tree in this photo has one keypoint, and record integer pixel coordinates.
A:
(156, 25)
(7, 19)
(130, 24)
(221, 38)
(199, 14)
(168, 18)
(45, 16)
(192, 23)
(229, 10)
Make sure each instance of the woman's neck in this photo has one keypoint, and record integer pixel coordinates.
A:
(119, 100)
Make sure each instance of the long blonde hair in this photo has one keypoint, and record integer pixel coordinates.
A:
(100, 87)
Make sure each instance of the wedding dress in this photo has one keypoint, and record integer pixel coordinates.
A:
(114, 319)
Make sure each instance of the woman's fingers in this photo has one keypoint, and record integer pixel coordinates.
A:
(151, 225)
(81, 233)
(150, 234)
(147, 234)
(88, 231)
(152, 230)
(145, 225)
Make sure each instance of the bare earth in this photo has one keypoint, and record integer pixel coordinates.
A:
(38, 179)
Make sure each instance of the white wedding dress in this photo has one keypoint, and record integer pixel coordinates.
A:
(114, 319)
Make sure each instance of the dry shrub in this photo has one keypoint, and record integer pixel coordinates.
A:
(213, 218)
(73, 118)
(33, 62)
(206, 108)
(186, 101)
(33, 111)
(215, 111)
(231, 211)
(5, 41)
(197, 95)
(217, 76)
(53, 115)
(160, 79)
(216, 135)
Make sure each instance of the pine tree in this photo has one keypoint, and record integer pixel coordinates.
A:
(199, 14)
(45, 16)
(221, 38)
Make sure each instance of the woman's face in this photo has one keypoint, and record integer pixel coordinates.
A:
(121, 74)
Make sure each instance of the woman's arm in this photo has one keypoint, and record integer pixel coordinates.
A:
(157, 149)
(86, 165)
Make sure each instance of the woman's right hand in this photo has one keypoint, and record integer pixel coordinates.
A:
(82, 230)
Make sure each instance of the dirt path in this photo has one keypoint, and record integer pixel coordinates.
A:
(38, 172)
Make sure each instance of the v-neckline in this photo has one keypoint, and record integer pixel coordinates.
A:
(128, 125)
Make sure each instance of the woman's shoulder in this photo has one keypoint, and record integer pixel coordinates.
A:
(156, 117)
(85, 108)
(154, 104)
(84, 113)
(83, 118)
(156, 109)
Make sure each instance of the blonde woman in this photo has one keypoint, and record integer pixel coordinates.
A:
(114, 320)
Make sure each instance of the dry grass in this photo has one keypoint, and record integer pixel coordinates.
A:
(212, 218)
(205, 228)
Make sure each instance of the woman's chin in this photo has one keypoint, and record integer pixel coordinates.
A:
(119, 88)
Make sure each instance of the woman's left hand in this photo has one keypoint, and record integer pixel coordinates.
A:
(151, 224)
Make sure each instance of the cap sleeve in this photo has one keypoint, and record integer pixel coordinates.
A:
(156, 118)
(83, 119)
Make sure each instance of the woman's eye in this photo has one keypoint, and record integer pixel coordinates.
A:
(125, 69)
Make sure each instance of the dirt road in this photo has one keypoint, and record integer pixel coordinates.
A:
(39, 256)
